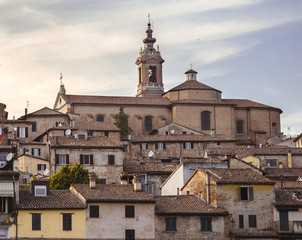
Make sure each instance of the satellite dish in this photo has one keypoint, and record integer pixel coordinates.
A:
(45, 172)
(68, 132)
(9, 156)
(150, 154)
(172, 131)
(3, 164)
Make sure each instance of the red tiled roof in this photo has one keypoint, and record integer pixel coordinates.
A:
(192, 85)
(185, 205)
(112, 193)
(90, 142)
(58, 199)
(96, 126)
(121, 101)
(237, 176)
(288, 197)
(244, 103)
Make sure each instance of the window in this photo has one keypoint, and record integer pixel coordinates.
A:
(274, 128)
(166, 132)
(130, 234)
(239, 127)
(94, 211)
(34, 127)
(188, 145)
(170, 224)
(241, 224)
(62, 159)
(152, 74)
(125, 148)
(129, 212)
(144, 146)
(206, 224)
(36, 221)
(6, 204)
(22, 132)
(40, 191)
(184, 132)
(246, 193)
(106, 133)
(67, 224)
(90, 133)
(81, 136)
(35, 151)
(271, 162)
(205, 120)
(102, 180)
(111, 160)
(86, 159)
(100, 118)
(148, 124)
(252, 221)
(160, 146)
(41, 167)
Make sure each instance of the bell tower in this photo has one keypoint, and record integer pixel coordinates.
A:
(149, 62)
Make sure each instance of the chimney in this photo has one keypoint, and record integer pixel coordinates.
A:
(137, 182)
(25, 111)
(92, 180)
(124, 178)
(177, 193)
(188, 192)
(289, 159)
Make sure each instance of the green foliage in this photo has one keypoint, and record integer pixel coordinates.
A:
(121, 121)
(26, 187)
(68, 175)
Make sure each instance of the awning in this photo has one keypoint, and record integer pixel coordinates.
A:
(6, 189)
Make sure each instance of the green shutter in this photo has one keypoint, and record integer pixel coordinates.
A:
(251, 193)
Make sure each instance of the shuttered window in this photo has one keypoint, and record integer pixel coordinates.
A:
(36, 221)
(94, 211)
(170, 224)
(130, 234)
(246, 193)
(67, 223)
(129, 212)
(111, 160)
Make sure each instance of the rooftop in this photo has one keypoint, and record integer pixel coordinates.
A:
(288, 198)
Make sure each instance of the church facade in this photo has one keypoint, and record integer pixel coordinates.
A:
(191, 104)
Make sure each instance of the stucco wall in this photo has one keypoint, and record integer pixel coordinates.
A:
(51, 224)
(112, 223)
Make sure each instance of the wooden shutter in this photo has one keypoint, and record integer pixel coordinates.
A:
(81, 159)
(156, 146)
(146, 145)
(39, 151)
(32, 151)
(129, 212)
(67, 158)
(251, 193)
(141, 147)
(164, 145)
(184, 145)
(18, 132)
(192, 145)
(26, 132)
(239, 192)
(57, 159)
(91, 159)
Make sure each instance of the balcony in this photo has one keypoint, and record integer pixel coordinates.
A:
(294, 227)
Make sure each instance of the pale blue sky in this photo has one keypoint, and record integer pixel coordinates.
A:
(248, 49)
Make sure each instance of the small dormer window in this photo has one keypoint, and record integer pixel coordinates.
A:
(81, 136)
(40, 191)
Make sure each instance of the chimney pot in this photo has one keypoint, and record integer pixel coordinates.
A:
(137, 182)
(92, 180)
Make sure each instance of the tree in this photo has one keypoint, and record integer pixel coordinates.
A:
(68, 175)
(121, 121)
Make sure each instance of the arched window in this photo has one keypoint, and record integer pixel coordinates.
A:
(205, 120)
(148, 124)
(274, 128)
(100, 118)
(239, 127)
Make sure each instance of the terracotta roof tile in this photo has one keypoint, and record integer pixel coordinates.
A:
(176, 138)
(285, 172)
(58, 199)
(192, 84)
(288, 198)
(92, 142)
(112, 193)
(243, 103)
(289, 184)
(96, 126)
(121, 101)
(237, 176)
(185, 205)
(149, 166)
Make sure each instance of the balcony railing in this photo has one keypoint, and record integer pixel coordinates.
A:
(289, 226)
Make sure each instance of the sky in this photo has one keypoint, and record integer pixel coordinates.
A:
(248, 49)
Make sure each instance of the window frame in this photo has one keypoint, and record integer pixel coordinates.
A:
(111, 159)
(67, 221)
(41, 167)
(206, 224)
(249, 193)
(94, 211)
(241, 221)
(252, 221)
(129, 211)
(129, 234)
(171, 224)
(36, 221)
(239, 127)
(40, 187)
(100, 118)
(205, 120)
